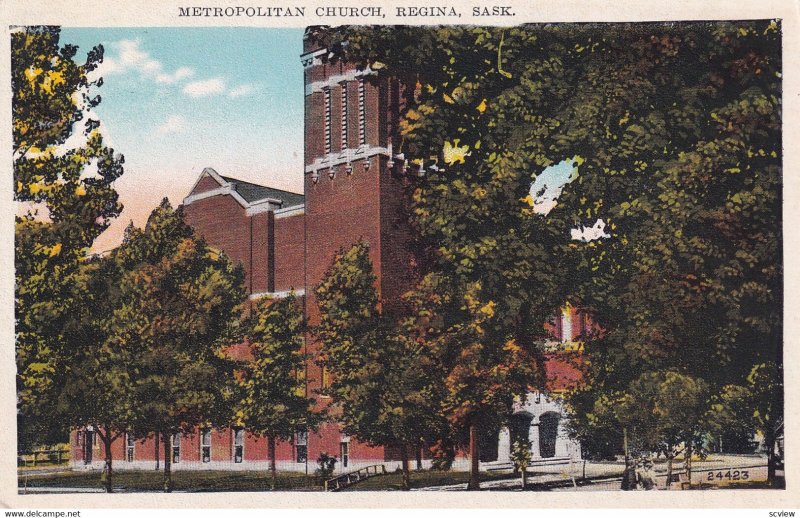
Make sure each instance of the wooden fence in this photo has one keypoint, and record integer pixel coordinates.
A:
(31, 458)
(346, 479)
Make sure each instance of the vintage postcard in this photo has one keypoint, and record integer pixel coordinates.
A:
(478, 254)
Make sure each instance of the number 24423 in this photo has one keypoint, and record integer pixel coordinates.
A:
(728, 475)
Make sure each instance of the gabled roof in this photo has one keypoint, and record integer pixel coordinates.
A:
(253, 197)
(252, 192)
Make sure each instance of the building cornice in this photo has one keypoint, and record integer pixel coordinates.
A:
(310, 59)
(332, 81)
(287, 212)
(345, 157)
(259, 206)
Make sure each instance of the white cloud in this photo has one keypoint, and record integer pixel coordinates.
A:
(205, 87)
(131, 57)
(242, 90)
(181, 73)
(108, 66)
(174, 124)
(586, 234)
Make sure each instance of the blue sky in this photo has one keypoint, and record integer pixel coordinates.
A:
(176, 100)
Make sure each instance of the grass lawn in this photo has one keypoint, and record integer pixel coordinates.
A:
(185, 480)
(423, 478)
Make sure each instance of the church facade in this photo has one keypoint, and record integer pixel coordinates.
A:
(353, 190)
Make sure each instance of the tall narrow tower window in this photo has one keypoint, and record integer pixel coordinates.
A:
(344, 115)
(566, 325)
(328, 144)
(362, 114)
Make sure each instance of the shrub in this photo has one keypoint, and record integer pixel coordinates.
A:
(326, 463)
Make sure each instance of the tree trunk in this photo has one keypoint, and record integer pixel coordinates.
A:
(689, 464)
(158, 439)
(106, 438)
(524, 479)
(474, 457)
(167, 465)
(404, 461)
(669, 469)
(626, 474)
(419, 455)
(769, 444)
(272, 468)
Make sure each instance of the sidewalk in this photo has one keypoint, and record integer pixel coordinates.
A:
(605, 476)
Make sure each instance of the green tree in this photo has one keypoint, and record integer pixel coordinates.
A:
(97, 393)
(756, 404)
(521, 457)
(661, 412)
(274, 402)
(675, 129)
(383, 382)
(176, 303)
(694, 281)
(474, 139)
(481, 372)
(66, 200)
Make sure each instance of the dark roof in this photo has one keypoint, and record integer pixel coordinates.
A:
(253, 192)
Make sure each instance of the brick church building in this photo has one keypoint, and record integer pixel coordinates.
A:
(353, 190)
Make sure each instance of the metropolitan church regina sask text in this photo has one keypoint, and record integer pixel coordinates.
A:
(287, 241)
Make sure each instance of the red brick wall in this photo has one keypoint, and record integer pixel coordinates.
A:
(262, 279)
(225, 225)
(290, 252)
(206, 183)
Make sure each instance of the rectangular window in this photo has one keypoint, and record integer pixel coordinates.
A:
(328, 115)
(301, 446)
(238, 445)
(88, 439)
(205, 445)
(362, 113)
(566, 326)
(130, 444)
(344, 453)
(176, 448)
(344, 115)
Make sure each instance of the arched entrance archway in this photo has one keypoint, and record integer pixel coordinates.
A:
(548, 433)
(487, 443)
(519, 427)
